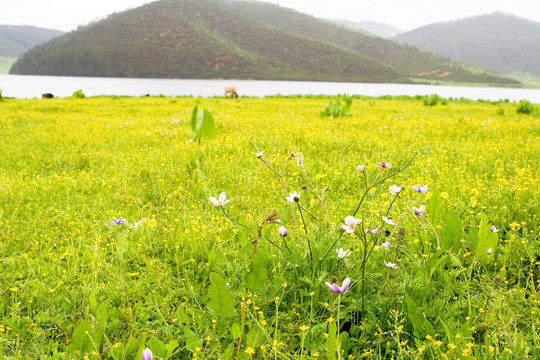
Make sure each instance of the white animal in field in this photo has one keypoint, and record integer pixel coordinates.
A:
(231, 90)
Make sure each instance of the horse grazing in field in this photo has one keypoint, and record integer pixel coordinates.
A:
(231, 90)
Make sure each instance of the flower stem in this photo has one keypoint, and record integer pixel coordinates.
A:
(228, 217)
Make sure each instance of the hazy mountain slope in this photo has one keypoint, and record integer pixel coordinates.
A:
(196, 39)
(15, 40)
(407, 60)
(498, 42)
(382, 30)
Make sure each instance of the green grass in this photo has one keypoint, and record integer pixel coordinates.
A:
(183, 278)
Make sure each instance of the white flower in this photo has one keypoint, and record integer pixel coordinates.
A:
(489, 251)
(259, 154)
(420, 189)
(390, 265)
(350, 224)
(221, 200)
(494, 229)
(360, 168)
(388, 221)
(342, 254)
(419, 211)
(394, 189)
(293, 197)
(386, 244)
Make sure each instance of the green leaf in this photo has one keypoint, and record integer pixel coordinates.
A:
(158, 348)
(194, 113)
(171, 346)
(221, 299)
(257, 276)
(486, 240)
(331, 341)
(92, 301)
(421, 325)
(81, 342)
(452, 233)
(434, 208)
(255, 337)
(182, 317)
(208, 128)
(192, 340)
(235, 331)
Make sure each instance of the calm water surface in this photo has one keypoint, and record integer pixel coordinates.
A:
(19, 86)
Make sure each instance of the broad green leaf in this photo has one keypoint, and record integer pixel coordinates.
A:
(235, 331)
(421, 325)
(92, 301)
(182, 317)
(255, 337)
(434, 208)
(171, 346)
(331, 341)
(81, 340)
(192, 340)
(208, 128)
(452, 233)
(159, 350)
(257, 276)
(221, 299)
(486, 240)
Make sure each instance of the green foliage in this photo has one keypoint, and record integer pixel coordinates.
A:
(525, 107)
(1, 98)
(431, 100)
(79, 94)
(338, 108)
(16, 40)
(204, 126)
(221, 300)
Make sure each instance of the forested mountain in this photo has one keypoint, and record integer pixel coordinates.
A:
(498, 42)
(407, 60)
(15, 40)
(243, 40)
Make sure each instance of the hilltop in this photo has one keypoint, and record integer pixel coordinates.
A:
(15, 40)
(498, 42)
(208, 39)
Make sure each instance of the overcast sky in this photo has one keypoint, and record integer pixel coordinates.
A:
(66, 15)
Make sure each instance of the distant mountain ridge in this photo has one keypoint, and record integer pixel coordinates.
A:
(497, 42)
(15, 40)
(407, 60)
(206, 39)
(379, 29)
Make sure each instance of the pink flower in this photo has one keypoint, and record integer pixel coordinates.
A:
(420, 189)
(282, 231)
(489, 251)
(383, 165)
(360, 168)
(147, 354)
(386, 244)
(494, 229)
(419, 212)
(340, 289)
(394, 189)
(390, 265)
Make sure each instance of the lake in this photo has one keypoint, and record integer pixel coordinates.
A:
(24, 86)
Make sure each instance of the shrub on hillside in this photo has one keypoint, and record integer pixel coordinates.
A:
(525, 107)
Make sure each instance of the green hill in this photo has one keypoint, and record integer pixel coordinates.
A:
(197, 39)
(206, 39)
(498, 42)
(15, 40)
(407, 60)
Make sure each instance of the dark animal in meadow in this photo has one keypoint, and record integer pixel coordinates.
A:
(47, 96)
(231, 90)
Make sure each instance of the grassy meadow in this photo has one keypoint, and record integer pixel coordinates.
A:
(458, 279)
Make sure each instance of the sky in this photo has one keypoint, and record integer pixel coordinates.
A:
(67, 15)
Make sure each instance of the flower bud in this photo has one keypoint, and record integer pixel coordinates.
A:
(489, 251)
(282, 231)
(304, 187)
